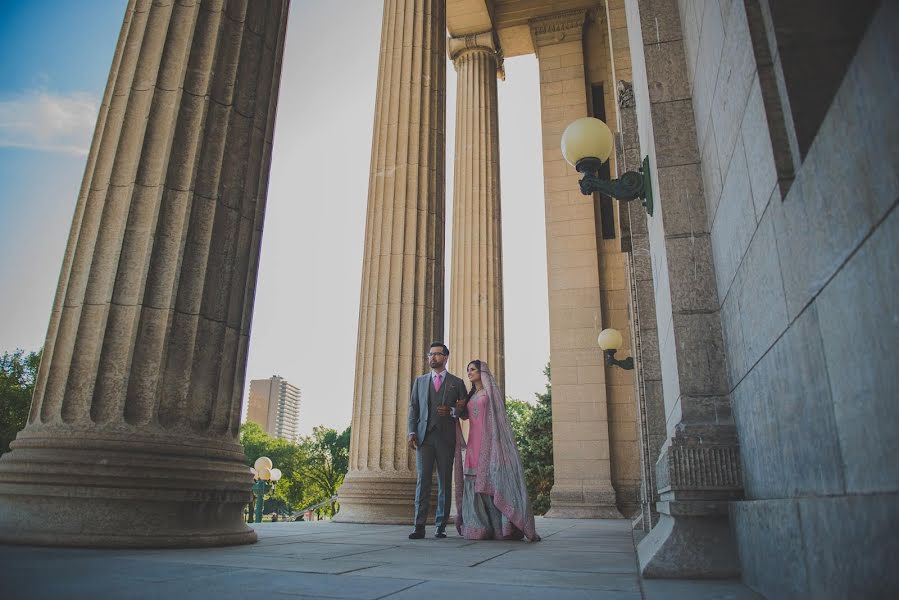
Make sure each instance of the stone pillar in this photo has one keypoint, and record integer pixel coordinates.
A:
(583, 485)
(649, 406)
(698, 472)
(401, 304)
(132, 436)
(644, 335)
(620, 384)
(476, 305)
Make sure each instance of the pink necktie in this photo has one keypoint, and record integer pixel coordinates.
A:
(437, 378)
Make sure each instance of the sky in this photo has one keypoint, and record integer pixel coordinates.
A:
(307, 296)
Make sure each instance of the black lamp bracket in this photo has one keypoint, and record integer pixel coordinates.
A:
(630, 186)
(627, 363)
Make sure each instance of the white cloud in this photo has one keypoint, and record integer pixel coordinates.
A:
(39, 120)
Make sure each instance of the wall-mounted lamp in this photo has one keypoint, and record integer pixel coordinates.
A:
(586, 144)
(610, 341)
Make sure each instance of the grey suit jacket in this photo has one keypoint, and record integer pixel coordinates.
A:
(451, 390)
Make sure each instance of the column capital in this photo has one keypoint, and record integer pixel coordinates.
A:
(561, 27)
(485, 42)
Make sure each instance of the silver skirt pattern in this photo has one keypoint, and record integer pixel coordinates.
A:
(481, 519)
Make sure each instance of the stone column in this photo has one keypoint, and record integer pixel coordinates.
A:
(583, 485)
(401, 304)
(649, 405)
(644, 335)
(698, 472)
(476, 305)
(132, 436)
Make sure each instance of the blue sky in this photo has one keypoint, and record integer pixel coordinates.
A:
(56, 57)
(60, 45)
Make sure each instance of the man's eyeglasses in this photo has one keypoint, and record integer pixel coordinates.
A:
(432, 354)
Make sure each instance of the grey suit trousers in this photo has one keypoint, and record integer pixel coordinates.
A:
(433, 450)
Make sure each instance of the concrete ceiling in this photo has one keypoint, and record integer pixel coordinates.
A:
(508, 17)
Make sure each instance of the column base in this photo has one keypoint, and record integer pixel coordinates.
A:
(649, 516)
(692, 540)
(41, 520)
(577, 502)
(123, 491)
(380, 498)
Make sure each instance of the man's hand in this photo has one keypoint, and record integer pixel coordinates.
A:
(443, 411)
(413, 441)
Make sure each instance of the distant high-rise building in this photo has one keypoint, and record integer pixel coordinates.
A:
(275, 405)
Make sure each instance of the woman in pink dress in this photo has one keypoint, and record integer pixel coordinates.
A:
(491, 496)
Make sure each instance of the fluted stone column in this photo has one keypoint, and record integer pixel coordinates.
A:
(401, 304)
(132, 436)
(581, 453)
(476, 287)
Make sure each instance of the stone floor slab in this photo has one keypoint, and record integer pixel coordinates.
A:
(438, 590)
(576, 559)
(530, 577)
(304, 549)
(271, 563)
(586, 562)
(436, 554)
(676, 589)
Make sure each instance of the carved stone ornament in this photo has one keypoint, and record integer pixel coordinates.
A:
(625, 94)
(567, 26)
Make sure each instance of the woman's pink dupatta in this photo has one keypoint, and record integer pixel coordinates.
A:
(499, 472)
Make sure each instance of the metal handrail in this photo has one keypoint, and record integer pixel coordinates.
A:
(322, 503)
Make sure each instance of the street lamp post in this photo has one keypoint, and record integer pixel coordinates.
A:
(263, 473)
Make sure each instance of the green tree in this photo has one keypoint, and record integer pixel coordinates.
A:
(536, 446)
(287, 456)
(18, 372)
(328, 455)
(519, 413)
(312, 470)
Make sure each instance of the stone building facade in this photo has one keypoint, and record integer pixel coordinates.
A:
(755, 435)
(738, 419)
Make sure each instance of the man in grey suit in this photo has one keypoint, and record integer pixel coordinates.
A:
(432, 434)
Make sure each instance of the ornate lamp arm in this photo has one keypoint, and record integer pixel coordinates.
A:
(627, 363)
(629, 186)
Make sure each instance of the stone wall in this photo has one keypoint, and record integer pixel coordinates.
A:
(634, 242)
(697, 472)
(807, 277)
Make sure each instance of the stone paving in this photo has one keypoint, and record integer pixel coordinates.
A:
(577, 559)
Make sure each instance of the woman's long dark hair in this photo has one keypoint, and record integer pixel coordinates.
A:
(477, 364)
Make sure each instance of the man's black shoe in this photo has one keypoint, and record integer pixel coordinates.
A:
(417, 534)
(440, 533)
